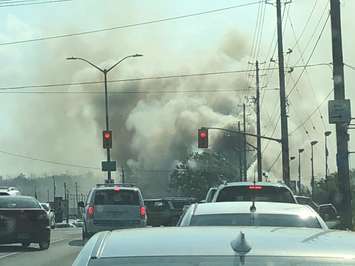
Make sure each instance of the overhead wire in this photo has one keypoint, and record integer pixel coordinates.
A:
(216, 73)
(154, 21)
(30, 3)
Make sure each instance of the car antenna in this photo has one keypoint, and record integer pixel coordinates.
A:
(241, 247)
(252, 207)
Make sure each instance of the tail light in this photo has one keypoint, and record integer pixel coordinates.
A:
(254, 187)
(42, 216)
(90, 211)
(142, 211)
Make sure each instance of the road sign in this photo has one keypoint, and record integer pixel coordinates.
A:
(339, 111)
(108, 166)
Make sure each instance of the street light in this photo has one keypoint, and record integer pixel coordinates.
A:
(326, 135)
(299, 170)
(105, 72)
(312, 180)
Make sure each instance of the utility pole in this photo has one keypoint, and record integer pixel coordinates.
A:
(244, 145)
(258, 139)
(341, 128)
(66, 200)
(241, 151)
(123, 175)
(54, 188)
(77, 199)
(284, 126)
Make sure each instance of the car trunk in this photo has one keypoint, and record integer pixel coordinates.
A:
(21, 221)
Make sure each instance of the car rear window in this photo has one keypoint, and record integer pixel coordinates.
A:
(19, 203)
(156, 205)
(113, 197)
(248, 219)
(4, 194)
(244, 193)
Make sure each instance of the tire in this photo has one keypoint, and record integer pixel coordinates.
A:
(44, 244)
(26, 244)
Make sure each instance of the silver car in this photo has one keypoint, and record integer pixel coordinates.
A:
(252, 214)
(222, 246)
(9, 191)
(112, 206)
(50, 214)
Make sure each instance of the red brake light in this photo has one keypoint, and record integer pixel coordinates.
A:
(117, 188)
(255, 187)
(142, 211)
(90, 211)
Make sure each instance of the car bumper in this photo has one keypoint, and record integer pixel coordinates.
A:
(24, 236)
(93, 227)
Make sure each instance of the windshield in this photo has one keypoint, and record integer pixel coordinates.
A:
(247, 219)
(244, 193)
(18, 203)
(112, 197)
(220, 261)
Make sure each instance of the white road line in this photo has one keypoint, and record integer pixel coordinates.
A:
(8, 255)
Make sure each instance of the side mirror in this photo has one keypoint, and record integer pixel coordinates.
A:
(203, 201)
(81, 204)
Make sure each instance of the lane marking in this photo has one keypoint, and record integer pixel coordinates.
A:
(8, 255)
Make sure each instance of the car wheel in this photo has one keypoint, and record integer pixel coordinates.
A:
(26, 244)
(44, 244)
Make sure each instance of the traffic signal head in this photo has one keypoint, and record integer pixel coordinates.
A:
(107, 139)
(203, 138)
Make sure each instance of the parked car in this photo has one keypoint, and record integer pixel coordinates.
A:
(9, 191)
(252, 214)
(23, 220)
(247, 191)
(222, 246)
(166, 211)
(327, 211)
(112, 206)
(50, 213)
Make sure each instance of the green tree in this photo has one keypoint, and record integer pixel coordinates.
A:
(200, 171)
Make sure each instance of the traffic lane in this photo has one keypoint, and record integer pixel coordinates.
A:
(65, 246)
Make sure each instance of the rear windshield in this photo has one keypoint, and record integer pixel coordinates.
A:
(247, 219)
(112, 197)
(243, 193)
(17, 202)
(4, 194)
(156, 205)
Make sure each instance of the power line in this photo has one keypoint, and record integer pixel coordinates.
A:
(28, 3)
(349, 66)
(145, 78)
(312, 113)
(48, 161)
(130, 25)
(275, 161)
(310, 57)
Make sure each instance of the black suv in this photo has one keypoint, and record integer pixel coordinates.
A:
(166, 211)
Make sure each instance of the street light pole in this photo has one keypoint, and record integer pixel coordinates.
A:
(299, 170)
(312, 180)
(105, 72)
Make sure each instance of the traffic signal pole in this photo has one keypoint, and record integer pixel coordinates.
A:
(341, 128)
(107, 124)
(284, 126)
(244, 146)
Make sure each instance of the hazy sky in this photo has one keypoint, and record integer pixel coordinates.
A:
(66, 127)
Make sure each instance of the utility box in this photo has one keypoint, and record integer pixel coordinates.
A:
(339, 111)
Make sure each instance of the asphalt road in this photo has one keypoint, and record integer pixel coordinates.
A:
(65, 245)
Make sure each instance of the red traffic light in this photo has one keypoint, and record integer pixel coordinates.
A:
(203, 138)
(107, 139)
(107, 135)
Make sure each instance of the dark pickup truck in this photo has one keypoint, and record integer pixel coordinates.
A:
(166, 211)
(23, 220)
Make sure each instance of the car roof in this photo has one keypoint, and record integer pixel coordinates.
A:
(209, 241)
(17, 197)
(113, 187)
(264, 184)
(261, 207)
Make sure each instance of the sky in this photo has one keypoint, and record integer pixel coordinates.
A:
(66, 127)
